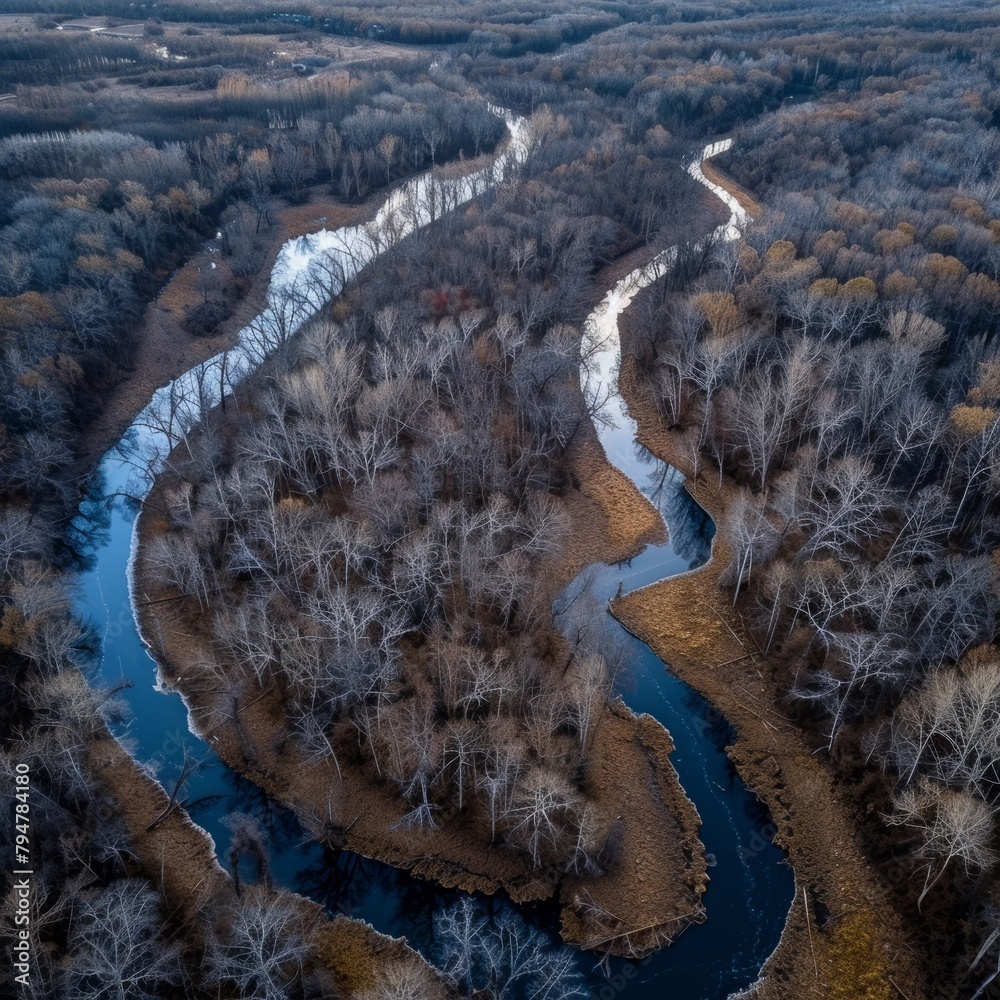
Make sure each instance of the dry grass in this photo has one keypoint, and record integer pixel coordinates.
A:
(651, 894)
(178, 859)
(164, 349)
(176, 855)
(655, 891)
(713, 174)
(858, 963)
(611, 519)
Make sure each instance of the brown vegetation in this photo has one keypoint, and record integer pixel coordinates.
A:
(862, 527)
(821, 390)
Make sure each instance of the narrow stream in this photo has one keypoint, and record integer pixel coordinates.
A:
(751, 887)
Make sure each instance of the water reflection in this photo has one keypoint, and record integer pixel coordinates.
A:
(751, 884)
(691, 527)
(480, 941)
(749, 894)
(89, 529)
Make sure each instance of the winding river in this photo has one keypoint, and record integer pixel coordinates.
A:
(751, 885)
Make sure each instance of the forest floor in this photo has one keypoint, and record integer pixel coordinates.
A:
(843, 940)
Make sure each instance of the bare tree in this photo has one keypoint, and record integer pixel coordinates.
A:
(954, 825)
(950, 728)
(755, 539)
(115, 949)
(498, 953)
(860, 660)
(547, 817)
(404, 981)
(261, 948)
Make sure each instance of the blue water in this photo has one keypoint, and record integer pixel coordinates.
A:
(751, 884)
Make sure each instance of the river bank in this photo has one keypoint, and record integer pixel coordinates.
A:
(606, 507)
(842, 938)
(178, 857)
(175, 852)
(164, 349)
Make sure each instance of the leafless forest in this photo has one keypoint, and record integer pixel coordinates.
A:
(369, 532)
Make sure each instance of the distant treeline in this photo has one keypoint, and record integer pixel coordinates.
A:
(512, 29)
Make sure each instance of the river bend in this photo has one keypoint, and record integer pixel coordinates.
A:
(751, 885)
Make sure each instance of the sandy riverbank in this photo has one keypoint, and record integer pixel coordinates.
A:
(712, 173)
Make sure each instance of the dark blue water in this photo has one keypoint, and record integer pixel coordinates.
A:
(751, 884)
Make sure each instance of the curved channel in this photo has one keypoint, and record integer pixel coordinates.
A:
(751, 886)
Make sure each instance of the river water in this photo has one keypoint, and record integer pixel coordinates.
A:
(751, 884)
